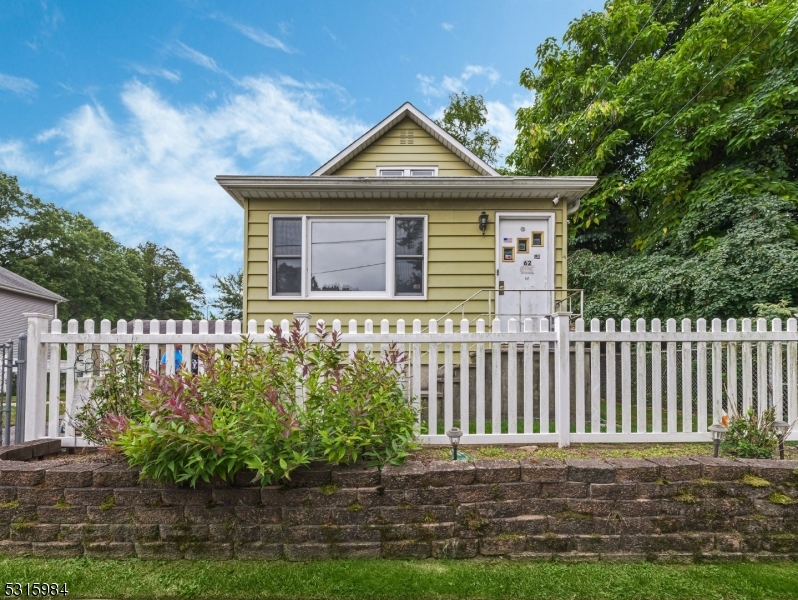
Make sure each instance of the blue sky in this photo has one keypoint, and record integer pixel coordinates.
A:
(125, 111)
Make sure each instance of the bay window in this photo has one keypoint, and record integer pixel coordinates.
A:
(348, 257)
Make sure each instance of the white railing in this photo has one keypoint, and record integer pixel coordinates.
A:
(524, 384)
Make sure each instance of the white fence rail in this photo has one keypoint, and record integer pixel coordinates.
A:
(571, 383)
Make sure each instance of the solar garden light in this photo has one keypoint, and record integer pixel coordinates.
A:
(781, 428)
(718, 432)
(454, 435)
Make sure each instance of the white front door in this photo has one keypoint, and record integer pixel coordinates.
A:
(524, 267)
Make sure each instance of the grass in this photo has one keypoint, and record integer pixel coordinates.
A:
(417, 580)
(504, 425)
(574, 451)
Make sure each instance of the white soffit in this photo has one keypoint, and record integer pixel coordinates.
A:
(423, 121)
(245, 187)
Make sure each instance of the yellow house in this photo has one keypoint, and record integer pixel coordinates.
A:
(405, 223)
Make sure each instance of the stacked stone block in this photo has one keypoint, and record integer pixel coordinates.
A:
(665, 509)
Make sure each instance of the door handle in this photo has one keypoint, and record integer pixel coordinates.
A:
(501, 288)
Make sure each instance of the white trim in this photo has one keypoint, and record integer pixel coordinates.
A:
(390, 257)
(407, 169)
(548, 233)
(243, 187)
(423, 121)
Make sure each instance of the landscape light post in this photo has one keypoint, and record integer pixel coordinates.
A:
(454, 435)
(718, 433)
(781, 428)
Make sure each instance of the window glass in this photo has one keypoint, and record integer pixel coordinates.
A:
(409, 257)
(422, 173)
(288, 276)
(287, 237)
(287, 271)
(409, 236)
(392, 173)
(409, 276)
(347, 256)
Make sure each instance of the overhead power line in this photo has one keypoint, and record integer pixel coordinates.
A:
(714, 77)
(603, 87)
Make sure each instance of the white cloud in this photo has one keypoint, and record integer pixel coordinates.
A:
(197, 57)
(447, 27)
(257, 35)
(149, 173)
(169, 75)
(429, 86)
(333, 37)
(17, 85)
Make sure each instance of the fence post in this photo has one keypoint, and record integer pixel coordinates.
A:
(7, 377)
(562, 388)
(36, 377)
(19, 425)
(304, 321)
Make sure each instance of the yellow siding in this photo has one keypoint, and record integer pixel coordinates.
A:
(460, 259)
(389, 150)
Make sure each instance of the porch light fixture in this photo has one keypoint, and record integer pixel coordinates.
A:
(718, 432)
(483, 222)
(781, 428)
(454, 435)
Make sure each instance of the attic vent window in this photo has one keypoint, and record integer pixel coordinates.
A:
(406, 138)
(422, 171)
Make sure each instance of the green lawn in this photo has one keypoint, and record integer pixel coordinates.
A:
(416, 580)
(588, 428)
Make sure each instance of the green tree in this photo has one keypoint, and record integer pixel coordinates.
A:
(170, 290)
(747, 269)
(669, 103)
(69, 255)
(687, 111)
(230, 295)
(465, 119)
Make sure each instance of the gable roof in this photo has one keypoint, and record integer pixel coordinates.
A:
(409, 111)
(18, 284)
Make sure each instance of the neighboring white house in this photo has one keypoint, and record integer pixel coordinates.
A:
(19, 296)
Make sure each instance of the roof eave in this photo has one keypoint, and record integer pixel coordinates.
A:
(571, 188)
(54, 298)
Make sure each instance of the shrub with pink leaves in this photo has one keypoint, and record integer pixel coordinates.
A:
(269, 409)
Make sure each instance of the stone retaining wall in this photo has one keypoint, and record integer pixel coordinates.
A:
(659, 509)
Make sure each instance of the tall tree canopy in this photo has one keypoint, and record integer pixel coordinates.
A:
(671, 119)
(683, 108)
(230, 299)
(465, 119)
(100, 278)
(170, 290)
(66, 253)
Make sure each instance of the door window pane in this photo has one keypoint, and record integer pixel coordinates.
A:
(347, 256)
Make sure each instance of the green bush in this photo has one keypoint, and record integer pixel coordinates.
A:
(270, 409)
(751, 435)
(116, 395)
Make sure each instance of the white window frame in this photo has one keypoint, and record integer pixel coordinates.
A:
(407, 169)
(390, 258)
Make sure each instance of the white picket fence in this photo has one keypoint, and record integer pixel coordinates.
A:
(565, 384)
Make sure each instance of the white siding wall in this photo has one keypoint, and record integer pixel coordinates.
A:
(12, 307)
